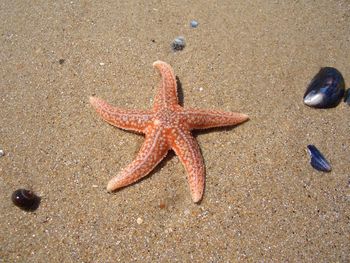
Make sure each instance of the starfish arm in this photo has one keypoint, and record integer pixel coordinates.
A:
(133, 120)
(167, 92)
(151, 153)
(204, 119)
(187, 149)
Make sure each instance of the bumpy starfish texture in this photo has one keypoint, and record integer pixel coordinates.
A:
(167, 126)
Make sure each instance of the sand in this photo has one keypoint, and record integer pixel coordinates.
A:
(263, 201)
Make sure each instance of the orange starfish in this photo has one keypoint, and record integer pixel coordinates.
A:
(167, 126)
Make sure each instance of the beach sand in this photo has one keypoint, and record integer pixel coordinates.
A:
(262, 202)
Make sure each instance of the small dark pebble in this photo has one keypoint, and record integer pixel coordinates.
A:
(25, 199)
(153, 40)
(61, 61)
(178, 44)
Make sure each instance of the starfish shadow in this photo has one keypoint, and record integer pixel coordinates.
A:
(180, 93)
(217, 129)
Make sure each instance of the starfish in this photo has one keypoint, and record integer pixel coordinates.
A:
(167, 126)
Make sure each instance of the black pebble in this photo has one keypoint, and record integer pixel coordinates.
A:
(61, 61)
(25, 199)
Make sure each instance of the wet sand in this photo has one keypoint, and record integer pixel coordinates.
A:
(263, 201)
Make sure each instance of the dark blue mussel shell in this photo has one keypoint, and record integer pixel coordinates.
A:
(347, 97)
(318, 161)
(326, 89)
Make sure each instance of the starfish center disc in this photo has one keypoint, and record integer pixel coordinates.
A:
(167, 119)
